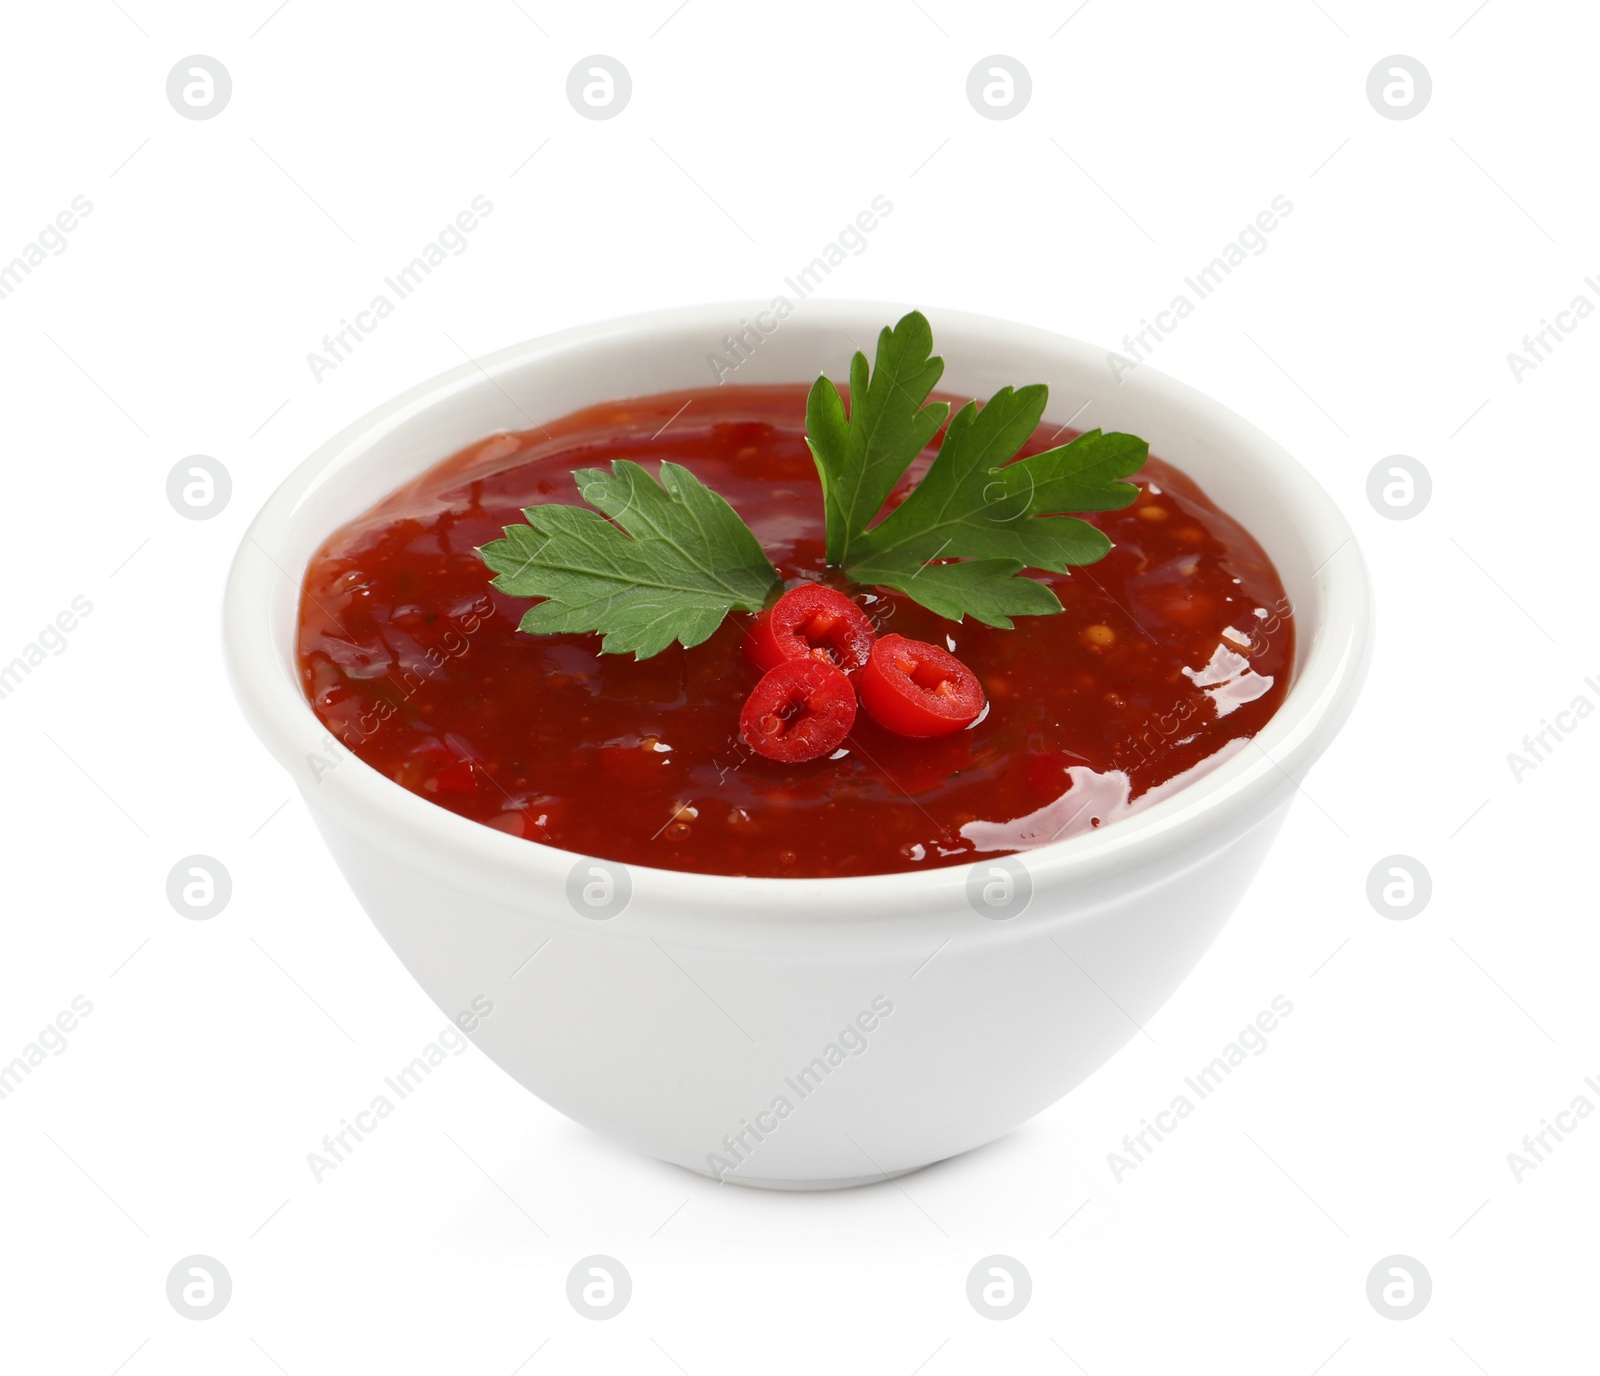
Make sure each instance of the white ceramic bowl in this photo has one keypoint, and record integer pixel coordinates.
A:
(682, 1026)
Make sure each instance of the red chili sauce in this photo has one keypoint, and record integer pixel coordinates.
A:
(1173, 650)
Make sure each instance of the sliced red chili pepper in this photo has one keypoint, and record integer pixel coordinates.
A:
(917, 689)
(811, 621)
(801, 710)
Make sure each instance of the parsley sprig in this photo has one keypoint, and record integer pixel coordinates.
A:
(674, 558)
(671, 562)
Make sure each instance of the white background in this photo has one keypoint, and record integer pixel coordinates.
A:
(178, 320)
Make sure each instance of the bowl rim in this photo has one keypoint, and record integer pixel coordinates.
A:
(465, 854)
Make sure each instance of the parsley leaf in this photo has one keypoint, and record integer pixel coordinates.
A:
(986, 589)
(673, 560)
(974, 504)
(861, 458)
(1081, 474)
(967, 506)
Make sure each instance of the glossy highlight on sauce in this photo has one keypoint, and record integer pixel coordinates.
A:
(1171, 652)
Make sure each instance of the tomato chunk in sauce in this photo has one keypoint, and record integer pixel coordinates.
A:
(1171, 653)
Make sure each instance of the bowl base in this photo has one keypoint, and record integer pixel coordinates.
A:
(844, 1183)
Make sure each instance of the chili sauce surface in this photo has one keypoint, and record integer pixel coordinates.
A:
(1171, 652)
